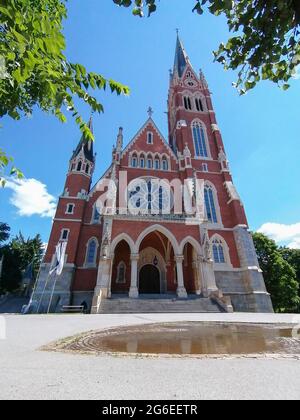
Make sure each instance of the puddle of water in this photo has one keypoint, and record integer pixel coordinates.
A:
(190, 338)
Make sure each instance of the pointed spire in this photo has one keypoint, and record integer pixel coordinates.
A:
(120, 137)
(203, 79)
(181, 57)
(86, 145)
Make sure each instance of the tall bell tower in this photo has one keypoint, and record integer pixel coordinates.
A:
(195, 137)
(194, 132)
(189, 103)
(67, 227)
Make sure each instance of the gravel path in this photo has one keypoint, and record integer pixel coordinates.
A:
(27, 373)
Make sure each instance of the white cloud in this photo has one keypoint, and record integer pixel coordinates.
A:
(297, 74)
(283, 234)
(31, 198)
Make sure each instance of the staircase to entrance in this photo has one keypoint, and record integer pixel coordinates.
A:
(158, 304)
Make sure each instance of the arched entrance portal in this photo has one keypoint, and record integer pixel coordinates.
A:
(149, 281)
(157, 247)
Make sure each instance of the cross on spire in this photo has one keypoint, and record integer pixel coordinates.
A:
(150, 112)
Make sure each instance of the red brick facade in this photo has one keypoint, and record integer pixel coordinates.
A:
(194, 150)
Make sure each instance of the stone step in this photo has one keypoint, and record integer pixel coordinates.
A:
(125, 305)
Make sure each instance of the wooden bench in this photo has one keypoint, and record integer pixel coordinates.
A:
(72, 309)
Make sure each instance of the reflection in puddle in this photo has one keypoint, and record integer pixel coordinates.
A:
(189, 338)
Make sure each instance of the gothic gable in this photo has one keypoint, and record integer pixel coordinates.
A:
(148, 140)
(189, 78)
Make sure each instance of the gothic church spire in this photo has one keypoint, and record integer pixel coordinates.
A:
(86, 145)
(181, 58)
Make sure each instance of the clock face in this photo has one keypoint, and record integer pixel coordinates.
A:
(149, 196)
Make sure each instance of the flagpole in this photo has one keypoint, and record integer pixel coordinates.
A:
(60, 254)
(47, 279)
(36, 281)
(46, 282)
(45, 286)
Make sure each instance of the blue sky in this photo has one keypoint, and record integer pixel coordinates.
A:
(260, 130)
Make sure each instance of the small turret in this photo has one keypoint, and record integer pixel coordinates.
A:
(85, 146)
(119, 147)
(83, 158)
(81, 168)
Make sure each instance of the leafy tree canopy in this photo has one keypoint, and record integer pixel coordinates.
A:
(4, 232)
(266, 41)
(18, 254)
(34, 70)
(11, 275)
(292, 256)
(29, 250)
(279, 275)
(6, 161)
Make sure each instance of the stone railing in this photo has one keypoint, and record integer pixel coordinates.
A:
(223, 301)
(160, 216)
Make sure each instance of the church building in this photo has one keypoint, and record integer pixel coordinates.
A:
(131, 245)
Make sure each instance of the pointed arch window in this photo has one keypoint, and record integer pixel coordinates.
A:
(149, 138)
(121, 273)
(199, 140)
(199, 105)
(187, 103)
(218, 252)
(210, 204)
(87, 169)
(149, 162)
(79, 166)
(134, 161)
(165, 165)
(157, 164)
(91, 252)
(142, 162)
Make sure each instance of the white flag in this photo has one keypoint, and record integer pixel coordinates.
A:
(60, 254)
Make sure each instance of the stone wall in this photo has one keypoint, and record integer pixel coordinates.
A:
(44, 288)
(246, 290)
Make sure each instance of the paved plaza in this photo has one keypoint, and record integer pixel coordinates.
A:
(28, 373)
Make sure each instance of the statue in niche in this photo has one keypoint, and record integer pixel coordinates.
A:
(207, 248)
(106, 241)
(105, 248)
(187, 152)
